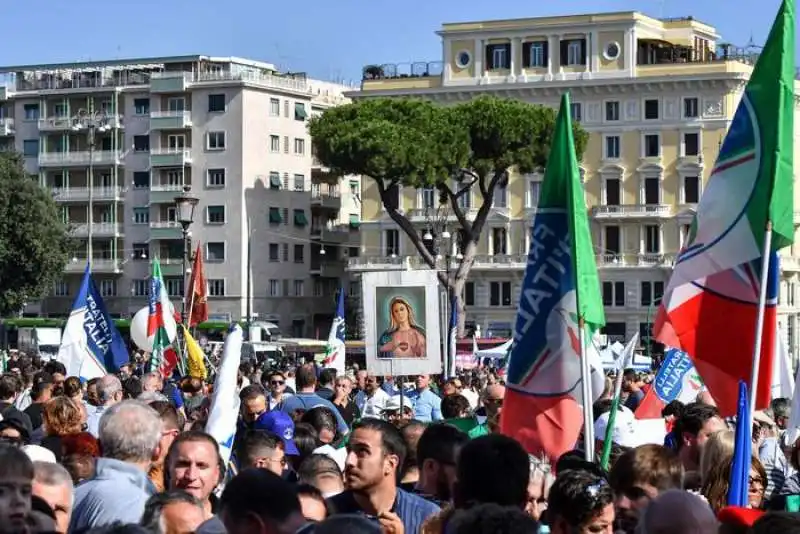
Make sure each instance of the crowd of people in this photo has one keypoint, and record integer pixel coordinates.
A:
(317, 452)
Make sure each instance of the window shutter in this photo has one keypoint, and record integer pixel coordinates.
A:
(564, 47)
(583, 51)
(508, 56)
(526, 55)
(488, 59)
(546, 48)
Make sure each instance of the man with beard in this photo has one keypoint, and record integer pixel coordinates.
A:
(695, 425)
(639, 476)
(375, 453)
(437, 451)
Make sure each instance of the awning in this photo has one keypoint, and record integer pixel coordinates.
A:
(300, 111)
(300, 218)
(274, 182)
(275, 215)
(354, 222)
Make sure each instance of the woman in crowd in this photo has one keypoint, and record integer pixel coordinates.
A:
(580, 502)
(61, 417)
(715, 488)
(341, 399)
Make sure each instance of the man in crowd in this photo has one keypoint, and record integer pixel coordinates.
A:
(173, 512)
(437, 451)
(375, 451)
(632, 389)
(693, 429)
(194, 465)
(53, 484)
(129, 435)
(109, 393)
(41, 392)
(306, 398)
(275, 382)
(327, 378)
(16, 480)
(372, 400)
(245, 510)
(253, 404)
(261, 450)
(427, 404)
(9, 388)
(170, 428)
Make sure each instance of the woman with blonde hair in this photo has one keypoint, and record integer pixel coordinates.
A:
(60, 417)
(717, 449)
(717, 483)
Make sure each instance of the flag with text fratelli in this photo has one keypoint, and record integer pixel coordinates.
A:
(91, 346)
(160, 323)
(542, 406)
(709, 309)
(676, 380)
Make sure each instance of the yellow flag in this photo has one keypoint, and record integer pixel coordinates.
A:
(196, 362)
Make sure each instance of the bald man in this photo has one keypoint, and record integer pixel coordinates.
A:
(678, 512)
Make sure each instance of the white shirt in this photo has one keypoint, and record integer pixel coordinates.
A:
(471, 397)
(372, 406)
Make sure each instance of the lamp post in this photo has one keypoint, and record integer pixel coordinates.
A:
(185, 204)
(95, 121)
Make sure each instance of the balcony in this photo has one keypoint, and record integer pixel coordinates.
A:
(102, 229)
(169, 82)
(656, 58)
(619, 261)
(429, 215)
(4, 92)
(631, 211)
(170, 120)
(165, 230)
(171, 266)
(170, 157)
(164, 193)
(331, 234)
(7, 127)
(78, 265)
(328, 269)
(81, 194)
(60, 124)
(326, 200)
(417, 75)
(80, 159)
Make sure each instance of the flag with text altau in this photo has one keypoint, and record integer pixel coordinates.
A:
(452, 338)
(335, 349)
(161, 324)
(91, 346)
(677, 379)
(542, 406)
(710, 306)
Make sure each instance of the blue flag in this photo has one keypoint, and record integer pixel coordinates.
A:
(742, 452)
(91, 345)
(335, 349)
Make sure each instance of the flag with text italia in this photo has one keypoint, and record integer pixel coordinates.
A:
(335, 349)
(710, 306)
(160, 321)
(542, 407)
(92, 346)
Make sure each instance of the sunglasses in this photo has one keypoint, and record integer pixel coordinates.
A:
(276, 382)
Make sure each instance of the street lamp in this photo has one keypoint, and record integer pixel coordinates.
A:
(185, 205)
(96, 121)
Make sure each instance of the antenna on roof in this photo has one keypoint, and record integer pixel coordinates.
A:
(751, 43)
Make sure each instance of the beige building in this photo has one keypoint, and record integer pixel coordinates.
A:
(656, 96)
(131, 135)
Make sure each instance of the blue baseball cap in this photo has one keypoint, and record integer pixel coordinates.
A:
(280, 424)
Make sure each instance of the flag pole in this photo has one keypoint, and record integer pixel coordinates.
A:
(762, 305)
(588, 426)
(612, 419)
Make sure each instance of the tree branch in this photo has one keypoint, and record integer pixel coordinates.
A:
(459, 213)
(403, 222)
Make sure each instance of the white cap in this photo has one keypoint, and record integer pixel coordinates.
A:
(39, 454)
(624, 433)
(393, 404)
(338, 455)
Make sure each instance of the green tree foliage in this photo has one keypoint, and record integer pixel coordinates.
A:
(34, 245)
(465, 148)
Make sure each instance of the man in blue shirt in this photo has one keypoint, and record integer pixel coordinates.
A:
(375, 450)
(427, 404)
(305, 399)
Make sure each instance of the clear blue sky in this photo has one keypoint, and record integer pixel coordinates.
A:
(329, 39)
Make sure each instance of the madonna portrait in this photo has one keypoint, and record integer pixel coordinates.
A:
(403, 338)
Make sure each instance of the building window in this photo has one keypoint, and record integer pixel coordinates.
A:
(176, 104)
(275, 181)
(612, 240)
(469, 293)
(651, 109)
(215, 251)
(499, 293)
(498, 56)
(216, 288)
(300, 218)
(299, 146)
(274, 288)
(612, 111)
(499, 241)
(612, 147)
(141, 143)
(464, 199)
(614, 294)
(215, 178)
(691, 108)
(299, 288)
(652, 191)
(613, 192)
(573, 52)
(691, 189)
(576, 111)
(30, 148)
(174, 286)
(141, 106)
(140, 288)
(215, 141)
(275, 216)
(428, 197)
(651, 293)
(274, 143)
(391, 242)
(691, 144)
(299, 253)
(274, 252)
(299, 183)
(274, 107)
(300, 111)
(61, 288)
(501, 194)
(31, 112)
(534, 190)
(141, 215)
(652, 145)
(215, 214)
(537, 55)
(216, 103)
(652, 239)
(108, 288)
(141, 251)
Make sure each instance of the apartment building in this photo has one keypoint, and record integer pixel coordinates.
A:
(656, 96)
(136, 133)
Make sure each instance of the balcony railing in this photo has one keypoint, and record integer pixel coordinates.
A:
(635, 260)
(98, 157)
(166, 188)
(79, 79)
(391, 71)
(103, 229)
(57, 124)
(82, 193)
(656, 53)
(165, 224)
(632, 210)
(78, 265)
(7, 126)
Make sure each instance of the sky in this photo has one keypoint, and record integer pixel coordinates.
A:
(331, 40)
